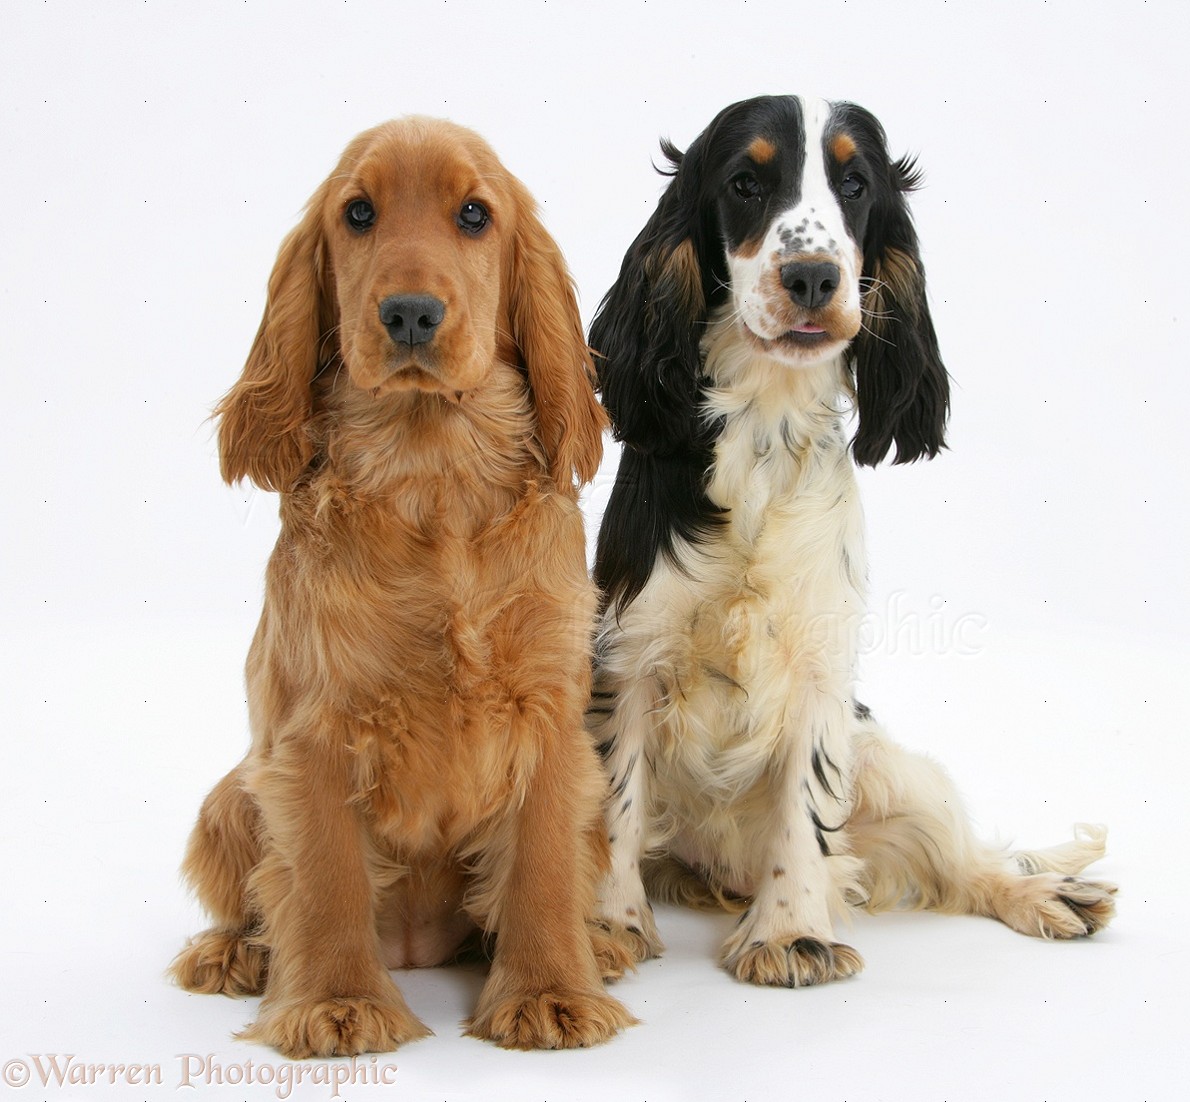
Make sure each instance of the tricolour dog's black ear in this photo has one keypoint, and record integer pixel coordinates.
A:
(646, 331)
(902, 389)
(645, 337)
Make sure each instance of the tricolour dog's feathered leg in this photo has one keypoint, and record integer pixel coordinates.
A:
(918, 848)
(804, 875)
(620, 721)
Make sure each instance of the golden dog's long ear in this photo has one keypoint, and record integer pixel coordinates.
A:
(264, 419)
(544, 319)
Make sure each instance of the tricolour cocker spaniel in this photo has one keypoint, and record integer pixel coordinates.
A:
(421, 396)
(778, 278)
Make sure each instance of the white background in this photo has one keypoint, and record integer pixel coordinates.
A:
(1028, 587)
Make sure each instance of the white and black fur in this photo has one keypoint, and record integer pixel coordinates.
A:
(778, 280)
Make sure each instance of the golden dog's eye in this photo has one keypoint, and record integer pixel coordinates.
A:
(359, 215)
(473, 217)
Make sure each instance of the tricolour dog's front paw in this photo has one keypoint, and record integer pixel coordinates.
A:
(1052, 906)
(335, 1027)
(221, 962)
(563, 1019)
(793, 962)
(620, 946)
(615, 950)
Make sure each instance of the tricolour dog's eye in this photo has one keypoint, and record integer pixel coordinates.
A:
(359, 215)
(852, 186)
(746, 186)
(473, 217)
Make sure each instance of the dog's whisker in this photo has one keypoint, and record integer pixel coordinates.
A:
(876, 336)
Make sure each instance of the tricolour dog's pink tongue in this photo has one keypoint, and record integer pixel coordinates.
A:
(808, 329)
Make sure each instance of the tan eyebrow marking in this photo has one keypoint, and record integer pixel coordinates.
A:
(843, 148)
(762, 151)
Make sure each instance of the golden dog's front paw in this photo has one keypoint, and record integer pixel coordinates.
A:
(795, 962)
(335, 1027)
(549, 1020)
(221, 962)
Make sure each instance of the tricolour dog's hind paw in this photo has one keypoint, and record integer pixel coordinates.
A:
(1052, 906)
(221, 962)
(793, 962)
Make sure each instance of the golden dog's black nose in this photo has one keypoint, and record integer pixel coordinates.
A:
(412, 319)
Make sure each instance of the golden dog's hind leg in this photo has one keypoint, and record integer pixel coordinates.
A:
(918, 848)
(223, 850)
(328, 992)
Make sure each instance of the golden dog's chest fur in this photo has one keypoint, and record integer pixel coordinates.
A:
(423, 612)
(455, 593)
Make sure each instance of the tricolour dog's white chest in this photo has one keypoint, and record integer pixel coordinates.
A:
(746, 642)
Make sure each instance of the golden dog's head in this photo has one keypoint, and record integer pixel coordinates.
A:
(420, 262)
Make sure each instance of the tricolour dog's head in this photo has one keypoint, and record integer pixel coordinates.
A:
(788, 215)
(420, 262)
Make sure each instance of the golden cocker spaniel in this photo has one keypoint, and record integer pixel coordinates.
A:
(420, 394)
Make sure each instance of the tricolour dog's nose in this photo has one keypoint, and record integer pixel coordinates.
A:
(411, 319)
(810, 283)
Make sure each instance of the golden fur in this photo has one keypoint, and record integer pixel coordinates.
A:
(418, 769)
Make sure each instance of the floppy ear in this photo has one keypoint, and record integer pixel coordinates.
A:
(264, 419)
(544, 317)
(902, 389)
(647, 330)
(646, 337)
